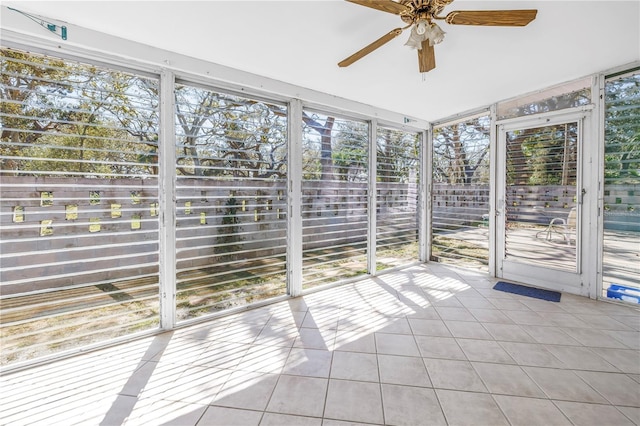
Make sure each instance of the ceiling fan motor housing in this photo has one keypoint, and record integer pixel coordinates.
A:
(423, 9)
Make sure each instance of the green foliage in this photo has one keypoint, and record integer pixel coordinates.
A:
(622, 130)
(65, 118)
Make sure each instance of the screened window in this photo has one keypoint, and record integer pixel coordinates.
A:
(231, 201)
(542, 217)
(460, 193)
(565, 96)
(78, 199)
(397, 158)
(334, 198)
(621, 267)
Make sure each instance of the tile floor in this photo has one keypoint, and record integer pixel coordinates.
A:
(428, 345)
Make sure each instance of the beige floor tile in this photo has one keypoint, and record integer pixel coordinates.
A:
(563, 385)
(439, 347)
(617, 388)
(196, 385)
(355, 366)
(507, 380)
(354, 401)
(632, 413)
(565, 319)
(332, 422)
(429, 327)
(508, 332)
(264, 359)
(490, 316)
(355, 341)
(581, 414)
(247, 390)
(527, 318)
(315, 338)
(260, 365)
(424, 313)
(601, 322)
(506, 302)
(403, 370)
(396, 326)
(298, 395)
(407, 405)
(396, 344)
(468, 330)
(594, 338)
(456, 375)
(454, 314)
(470, 409)
(625, 360)
(484, 351)
(273, 419)
(152, 412)
(550, 335)
(630, 339)
(475, 303)
(580, 358)
(284, 336)
(308, 362)
(545, 306)
(222, 416)
(530, 411)
(222, 355)
(533, 354)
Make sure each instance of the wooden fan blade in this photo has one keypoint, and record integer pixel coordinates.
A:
(383, 5)
(506, 18)
(426, 57)
(370, 48)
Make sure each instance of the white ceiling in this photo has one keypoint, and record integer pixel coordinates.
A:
(300, 42)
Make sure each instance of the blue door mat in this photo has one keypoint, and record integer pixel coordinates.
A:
(538, 293)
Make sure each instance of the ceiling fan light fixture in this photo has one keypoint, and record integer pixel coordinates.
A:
(434, 34)
(415, 39)
(422, 31)
(421, 27)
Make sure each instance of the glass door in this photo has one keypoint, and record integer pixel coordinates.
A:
(539, 205)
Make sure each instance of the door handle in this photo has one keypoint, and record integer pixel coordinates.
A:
(581, 198)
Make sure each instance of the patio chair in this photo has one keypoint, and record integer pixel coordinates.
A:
(561, 226)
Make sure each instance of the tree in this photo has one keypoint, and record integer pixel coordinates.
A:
(460, 151)
(64, 117)
(223, 135)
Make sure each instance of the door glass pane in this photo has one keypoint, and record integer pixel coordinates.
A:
(334, 198)
(230, 201)
(460, 200)
(541, 207)
(397, 197)
(621, 262)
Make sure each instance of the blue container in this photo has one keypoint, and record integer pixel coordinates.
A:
(629, 294)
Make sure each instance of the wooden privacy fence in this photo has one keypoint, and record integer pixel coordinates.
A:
(466, 204)
(60, 232)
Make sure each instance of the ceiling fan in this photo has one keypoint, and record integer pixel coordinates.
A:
(419, 15)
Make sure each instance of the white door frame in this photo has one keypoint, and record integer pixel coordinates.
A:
(578, 282)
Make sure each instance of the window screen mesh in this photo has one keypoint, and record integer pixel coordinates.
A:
(460, 193)
(334, 198)
(79, 194)
(621, 264)
(231, 201)
(397, 158)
